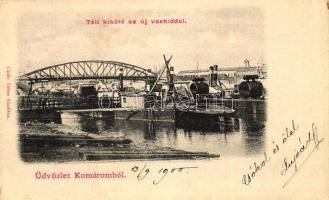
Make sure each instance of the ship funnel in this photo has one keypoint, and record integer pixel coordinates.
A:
(213, 75)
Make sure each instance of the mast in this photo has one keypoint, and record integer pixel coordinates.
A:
(169, 76)
(197, 66)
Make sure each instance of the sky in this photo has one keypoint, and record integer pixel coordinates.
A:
(225, 37)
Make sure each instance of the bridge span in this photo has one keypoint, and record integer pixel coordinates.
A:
(92, 69)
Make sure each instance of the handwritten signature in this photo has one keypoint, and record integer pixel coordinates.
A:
(288, 163)
(161, 174)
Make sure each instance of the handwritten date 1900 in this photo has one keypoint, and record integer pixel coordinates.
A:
(160, 174)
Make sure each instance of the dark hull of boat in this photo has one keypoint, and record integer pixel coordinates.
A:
(202, 118)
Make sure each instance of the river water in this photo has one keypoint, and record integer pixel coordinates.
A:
(238, 136)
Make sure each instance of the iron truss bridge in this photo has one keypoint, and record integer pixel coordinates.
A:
(94, 69)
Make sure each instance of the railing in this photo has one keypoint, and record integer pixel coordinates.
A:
(150, 102)
(62, 103)
(203, 102)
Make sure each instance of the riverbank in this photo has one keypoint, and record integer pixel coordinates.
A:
(50, 142)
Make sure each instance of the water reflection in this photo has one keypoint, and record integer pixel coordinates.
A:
(150, 131)
(254, 129)
(229, 124)
(239, 135)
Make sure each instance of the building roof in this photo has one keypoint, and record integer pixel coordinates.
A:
(238, 69)
(192, 71)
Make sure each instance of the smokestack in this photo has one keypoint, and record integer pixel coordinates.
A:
(213, 75)
(246, 63)
(121, 79)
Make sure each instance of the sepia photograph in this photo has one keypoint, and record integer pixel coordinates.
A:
(206, 97)
(164, 99)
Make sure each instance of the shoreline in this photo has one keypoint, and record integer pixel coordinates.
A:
(41, 142)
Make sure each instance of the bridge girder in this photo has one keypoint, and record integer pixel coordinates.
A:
(93, 69)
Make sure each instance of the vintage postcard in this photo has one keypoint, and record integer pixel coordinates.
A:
(164, 99)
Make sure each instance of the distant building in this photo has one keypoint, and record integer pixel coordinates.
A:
(222, 72)
(190, 74)
(228, 76)
(229, 72)
(241, 71)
